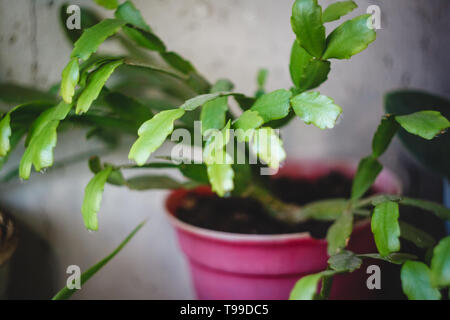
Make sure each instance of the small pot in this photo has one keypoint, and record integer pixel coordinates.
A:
(259, 267)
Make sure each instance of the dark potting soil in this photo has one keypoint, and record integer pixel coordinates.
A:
(239, 215)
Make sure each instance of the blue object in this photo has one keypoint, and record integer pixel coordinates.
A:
(447, 201)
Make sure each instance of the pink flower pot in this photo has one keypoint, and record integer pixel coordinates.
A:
(243, 266)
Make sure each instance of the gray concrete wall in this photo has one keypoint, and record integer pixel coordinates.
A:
(231, 39)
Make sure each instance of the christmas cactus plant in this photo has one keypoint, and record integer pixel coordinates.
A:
(230, 140)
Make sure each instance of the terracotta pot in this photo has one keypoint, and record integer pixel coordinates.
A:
(245, 266)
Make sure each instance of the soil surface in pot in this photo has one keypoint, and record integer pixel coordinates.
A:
(247, 216)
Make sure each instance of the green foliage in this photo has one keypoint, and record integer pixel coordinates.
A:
(69, 80)
(144, 38)
(426, 124)
(395, 257)
(194, 103)
(366, 174)
(349, 38)
(107, 4)
(128, 12)
(338, 9)
(177, 62)
(339, 233)
(383, 136)
(268, 146)
(385, 227)
(440, 264)
(273, 105)
(434, 154)
(312, 107)
(306, 71)
(65, 293)
(248, 120)
(152, 134)
(345, 261)
(306, 22)
(416, 282)
(147, 182)
(439, 210)
(42, 139)
(14, 94)
(5, 134)
(213, 114)
(221, 176)
(95, 84)
(88, 18)
(420, 238)
(91, 38)
(93, 197)
(306, 287)
(327, 210)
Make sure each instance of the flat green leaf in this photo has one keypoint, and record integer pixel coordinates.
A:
(144, 38)
(177, 62)
(385, 227)
(196, 172)
(152, 134)
(93, 197)
(17, 119)
(69, 80)
(440, 264)
(426, 124)
(248, 120)
(349, 38)
(312, 107)
(128, 12)
(395, 257)
(379, 198)
(383, 136)
(94, 164)
(306, 71)
(338, 9)
(416, 282)
(245, 124)
(127, 107)
(5, 134)
(66, 293)
(420, 238)
(339, 233)
(221, 178)
(328, 210)
(95, 84)
(107, 4)
(14, 140)
(200, 100)
(88, 18)
(366, 174)
(306, 22)
(223, 85)
(345, 261)
(42, 139)
(147, 182)
(434, 154)
(261, 78)
(306, 287)
(213, 114)
(273, 105)
(93, 63)
(268, 146)
(91, 38)
(116, 178)
(11, 93)
(438, 209)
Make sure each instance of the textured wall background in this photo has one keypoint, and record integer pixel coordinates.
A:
(231, 39)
